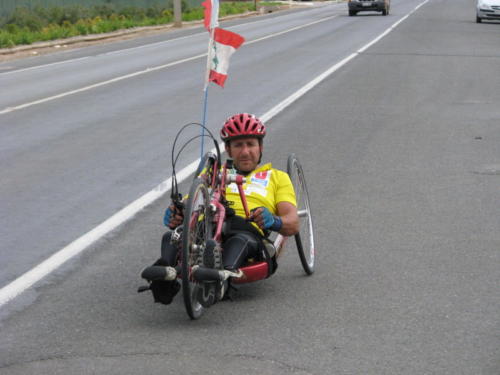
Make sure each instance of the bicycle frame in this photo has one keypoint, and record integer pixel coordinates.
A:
(219, 181)
(198, 240)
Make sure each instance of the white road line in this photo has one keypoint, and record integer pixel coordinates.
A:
(155, 44)
(203, 33)
(304, 89)
(25, 281)
(43, 66)
(101, 54)
(145, 71)
(90, 87)
(292, 29)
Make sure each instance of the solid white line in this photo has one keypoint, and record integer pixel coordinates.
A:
(101, 54)
(366, 46)
(292, 29)
(155, 44)
(25, 281)
(43, 66)
(419, 5)
(149, 70)
(86, 88)
(304, 89)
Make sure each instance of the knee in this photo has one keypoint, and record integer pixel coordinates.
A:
(240, 238)
(166, 237)
(165, 240)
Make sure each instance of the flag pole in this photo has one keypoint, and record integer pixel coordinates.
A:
(205, 89)
(204, 121)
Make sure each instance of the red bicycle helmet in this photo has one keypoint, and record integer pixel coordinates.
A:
(242, 125)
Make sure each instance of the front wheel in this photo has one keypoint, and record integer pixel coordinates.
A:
(305, 238)
(195, 234)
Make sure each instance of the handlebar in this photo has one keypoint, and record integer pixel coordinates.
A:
(239, 180)
(235, 178)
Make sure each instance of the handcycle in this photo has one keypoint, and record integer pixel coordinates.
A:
(199, 238)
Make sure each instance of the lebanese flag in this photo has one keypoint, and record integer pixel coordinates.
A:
(224, 45)
(211, 13)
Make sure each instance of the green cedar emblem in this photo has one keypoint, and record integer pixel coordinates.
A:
(215, 60)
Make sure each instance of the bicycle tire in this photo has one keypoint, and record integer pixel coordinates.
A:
(305, 238)
(196, 232)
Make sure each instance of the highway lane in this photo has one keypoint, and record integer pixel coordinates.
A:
(69, 164)
(400, 149)
(84, 71)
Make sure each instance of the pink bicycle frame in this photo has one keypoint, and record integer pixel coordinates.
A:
(255, 271)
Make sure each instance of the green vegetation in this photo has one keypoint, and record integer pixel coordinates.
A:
(26, 26)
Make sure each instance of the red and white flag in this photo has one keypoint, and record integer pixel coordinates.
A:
(211, 13)
(224, 44)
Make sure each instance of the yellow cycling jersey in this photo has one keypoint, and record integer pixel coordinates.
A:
(264, 187)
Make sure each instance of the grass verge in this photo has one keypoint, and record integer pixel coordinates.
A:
(26, 26)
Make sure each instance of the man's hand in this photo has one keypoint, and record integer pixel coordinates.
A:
(265, 219)
(173, 217)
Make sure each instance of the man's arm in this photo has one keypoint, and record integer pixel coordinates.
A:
(288, 214)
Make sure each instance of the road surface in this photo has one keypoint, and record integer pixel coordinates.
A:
(400, 148)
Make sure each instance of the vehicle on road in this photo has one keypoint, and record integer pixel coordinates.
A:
(356, 6)
(199, 239)
(487, 10)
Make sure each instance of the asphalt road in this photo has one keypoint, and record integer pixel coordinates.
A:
(120, 133)
(401, 153)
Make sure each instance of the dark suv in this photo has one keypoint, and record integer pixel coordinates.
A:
(356, 6)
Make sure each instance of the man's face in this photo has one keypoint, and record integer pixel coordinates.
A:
(245, 153)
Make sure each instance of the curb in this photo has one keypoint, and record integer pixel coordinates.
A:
(77, 39)
(114, 34)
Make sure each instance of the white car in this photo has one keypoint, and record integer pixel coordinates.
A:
(488, 10)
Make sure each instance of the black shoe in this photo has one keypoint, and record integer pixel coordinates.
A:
(164, 291)
(157, 273)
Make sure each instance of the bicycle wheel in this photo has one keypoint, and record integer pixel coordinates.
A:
(196, 232)
(305, 238)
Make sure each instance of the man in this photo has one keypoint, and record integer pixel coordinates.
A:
(270, 198)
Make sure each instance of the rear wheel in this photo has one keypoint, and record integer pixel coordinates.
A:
(305, 238)
(196, 233)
